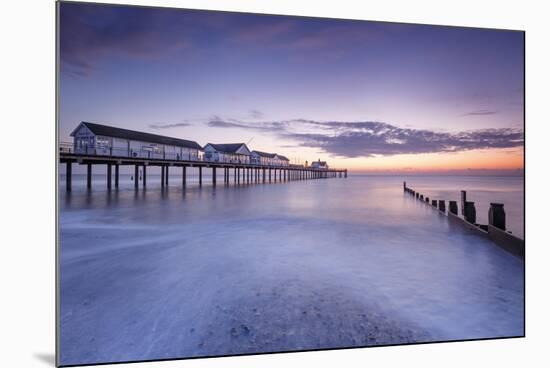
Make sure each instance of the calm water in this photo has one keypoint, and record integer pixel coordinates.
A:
(302, 265)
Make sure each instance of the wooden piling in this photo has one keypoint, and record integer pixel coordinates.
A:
(69, 176)
(109, 175)
(184, 176)
(166, 177)
(214, 175)
(89, 176)
(116, 175)
(200, 176)
(144, 176)
(136, 176)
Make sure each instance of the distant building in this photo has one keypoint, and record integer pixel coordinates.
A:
(230, 152)
(97, 139)
(268, 159)
(319, 165)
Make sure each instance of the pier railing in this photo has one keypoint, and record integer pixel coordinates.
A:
(495, 230)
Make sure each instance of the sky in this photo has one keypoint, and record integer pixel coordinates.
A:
(367, 96)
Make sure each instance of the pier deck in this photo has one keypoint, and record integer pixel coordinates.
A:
(247, 172)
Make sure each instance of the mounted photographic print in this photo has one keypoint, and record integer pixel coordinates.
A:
(234, 183)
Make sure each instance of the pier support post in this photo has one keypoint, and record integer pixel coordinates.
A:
(234, 175)
(263, 175)
(497, 216)
(238, 174)
(470, 212)
(69, 176)
(116, 175)
(166, 177)
(183, 176)
(109, 175)
(248, 175)
(162, 176)
(200, 176)
(89, 176)
(144, 176)
(136, 176)
(270, 174)
(213, 175)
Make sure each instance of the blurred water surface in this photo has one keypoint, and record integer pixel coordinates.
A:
(167, 273)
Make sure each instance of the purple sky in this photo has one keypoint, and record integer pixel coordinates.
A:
(346, 91)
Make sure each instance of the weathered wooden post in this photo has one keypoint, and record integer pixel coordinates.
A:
(453, 208)
(404, 186)
(144, 176)
(416, 194)
(89, 176)
(263, 174)
(69, 176)
(166, 175)
(442, 205)
(136, 176)
(200, 176)
(462, 201)
(116, 175)
(183, 176)
(434, 202)
(497, 216)
(214, 175)
(422, 197)
(470, 212)
(427, 200)
(162, 175)
(109, 175)
(270, 174)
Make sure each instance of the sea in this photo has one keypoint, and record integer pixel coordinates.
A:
(175, 272)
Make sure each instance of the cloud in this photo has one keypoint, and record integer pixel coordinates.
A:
(169, 125)
(90, 33)
(256, 114)
(480, 112)
(369, 138)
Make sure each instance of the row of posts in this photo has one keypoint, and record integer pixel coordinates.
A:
(497, 216)
(246, 174)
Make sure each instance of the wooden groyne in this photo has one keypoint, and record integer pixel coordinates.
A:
(495, 230)
(245, 173)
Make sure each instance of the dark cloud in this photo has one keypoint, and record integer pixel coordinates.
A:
(89, 33)
(364, 139)
(480, 112)
(169, 125)
(272, 126)
(256, 114)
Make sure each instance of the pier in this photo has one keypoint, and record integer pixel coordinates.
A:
(245, 173)
(495, 230)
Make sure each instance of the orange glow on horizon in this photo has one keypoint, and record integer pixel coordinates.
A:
(488, 159)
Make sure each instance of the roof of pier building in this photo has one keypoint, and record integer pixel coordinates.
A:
(236, 148)
(265, 154)
(284, 158)
(110, 131)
